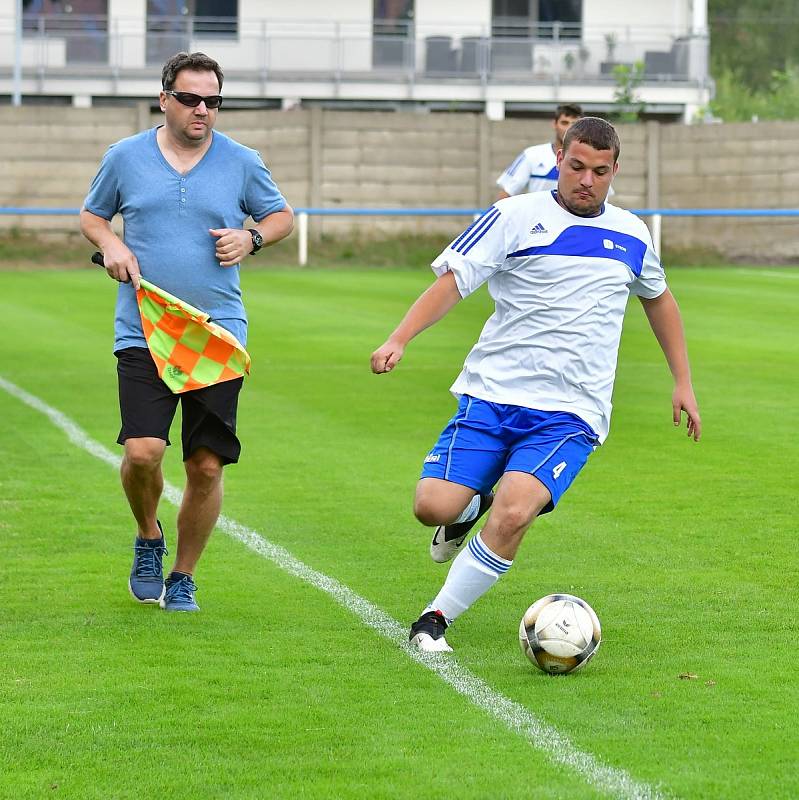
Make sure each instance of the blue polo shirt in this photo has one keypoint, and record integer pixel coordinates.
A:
(167, 217)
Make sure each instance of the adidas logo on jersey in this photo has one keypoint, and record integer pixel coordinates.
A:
(539, 228)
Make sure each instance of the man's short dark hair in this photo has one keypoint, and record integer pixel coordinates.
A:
(568, 110)
(196, 61)
(595, 132)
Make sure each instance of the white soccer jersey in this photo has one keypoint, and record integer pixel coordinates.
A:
(534, 170)
(560, 283)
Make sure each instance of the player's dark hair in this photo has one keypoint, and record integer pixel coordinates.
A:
(196, 61)
(595, 132)
(568, 110)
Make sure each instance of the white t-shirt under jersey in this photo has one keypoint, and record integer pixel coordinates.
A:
(560, 283)
(534, 170)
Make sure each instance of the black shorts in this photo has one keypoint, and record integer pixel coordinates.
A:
(148, 406)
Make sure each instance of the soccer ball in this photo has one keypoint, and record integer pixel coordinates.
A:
(559, 633)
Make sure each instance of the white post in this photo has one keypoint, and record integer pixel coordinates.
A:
(495, 110)
(656, 228)
(302, 236)
(16, 98)
(699, 17)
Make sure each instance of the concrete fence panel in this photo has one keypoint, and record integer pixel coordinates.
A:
(319, 158)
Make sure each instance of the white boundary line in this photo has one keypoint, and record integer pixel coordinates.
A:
(769, 273)
(544, 737)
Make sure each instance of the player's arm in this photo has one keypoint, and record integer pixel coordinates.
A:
(120, 262)
(428, 309)
(666, 323)
(514, 179)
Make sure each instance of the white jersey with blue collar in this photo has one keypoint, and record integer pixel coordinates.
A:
(560, 283)
(535, 169)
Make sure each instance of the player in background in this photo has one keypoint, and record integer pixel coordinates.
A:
(534, 395)
(535, 169)
(184, 192)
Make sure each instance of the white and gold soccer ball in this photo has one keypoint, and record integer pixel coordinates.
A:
(560, 633)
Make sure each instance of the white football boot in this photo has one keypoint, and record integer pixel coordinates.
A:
(448, 539)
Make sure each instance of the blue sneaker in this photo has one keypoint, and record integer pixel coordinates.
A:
(179, 594)
(146, 581)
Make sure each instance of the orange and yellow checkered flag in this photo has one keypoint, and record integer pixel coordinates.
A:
(189, 351)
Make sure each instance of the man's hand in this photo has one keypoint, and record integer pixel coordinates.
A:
(121, 264)
(232, 245)
(386, 357)
(683, 400)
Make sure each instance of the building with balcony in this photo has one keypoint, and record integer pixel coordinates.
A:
(501, 57)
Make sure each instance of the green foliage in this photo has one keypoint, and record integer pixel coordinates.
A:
(611, 40)
(753, 47)
(735, 101)
(626, 101)
(752, 39)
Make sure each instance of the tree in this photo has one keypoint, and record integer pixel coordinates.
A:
(753, 39)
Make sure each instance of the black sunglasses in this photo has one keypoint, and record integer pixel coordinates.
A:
(193, 100)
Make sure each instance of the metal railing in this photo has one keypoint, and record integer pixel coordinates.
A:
(303, 217)
(339, 51)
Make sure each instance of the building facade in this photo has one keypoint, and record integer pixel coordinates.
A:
(503, 57)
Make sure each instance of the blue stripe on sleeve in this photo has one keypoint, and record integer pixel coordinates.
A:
(482, 233)
(514, 166)
(471, 227)
(552, 175)
(589, 242)
(474, 235)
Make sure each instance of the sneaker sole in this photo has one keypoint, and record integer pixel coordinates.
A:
(148, 601)
(427, 644)
(441, 552)
(179, 610)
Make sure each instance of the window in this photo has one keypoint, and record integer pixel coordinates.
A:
(167, 29)
(569, 13)
(171, 24)
(392, 33)
(82, 24)
(512, 19)
(538, 19)
(216, 17)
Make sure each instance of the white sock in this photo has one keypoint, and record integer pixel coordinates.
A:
(470, 512)
(474, 571)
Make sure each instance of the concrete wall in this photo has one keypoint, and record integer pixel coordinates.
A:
(742, 165)
(48, 157)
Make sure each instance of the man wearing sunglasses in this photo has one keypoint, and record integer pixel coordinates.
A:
(184, 192)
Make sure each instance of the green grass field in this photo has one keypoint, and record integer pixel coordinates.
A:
(275, 690)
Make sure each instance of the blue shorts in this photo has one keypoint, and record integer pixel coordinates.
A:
(484, 440)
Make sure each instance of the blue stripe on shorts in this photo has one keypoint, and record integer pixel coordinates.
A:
(484, 440)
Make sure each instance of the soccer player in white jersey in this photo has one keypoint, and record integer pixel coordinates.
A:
(535, 169)
(535, 391)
